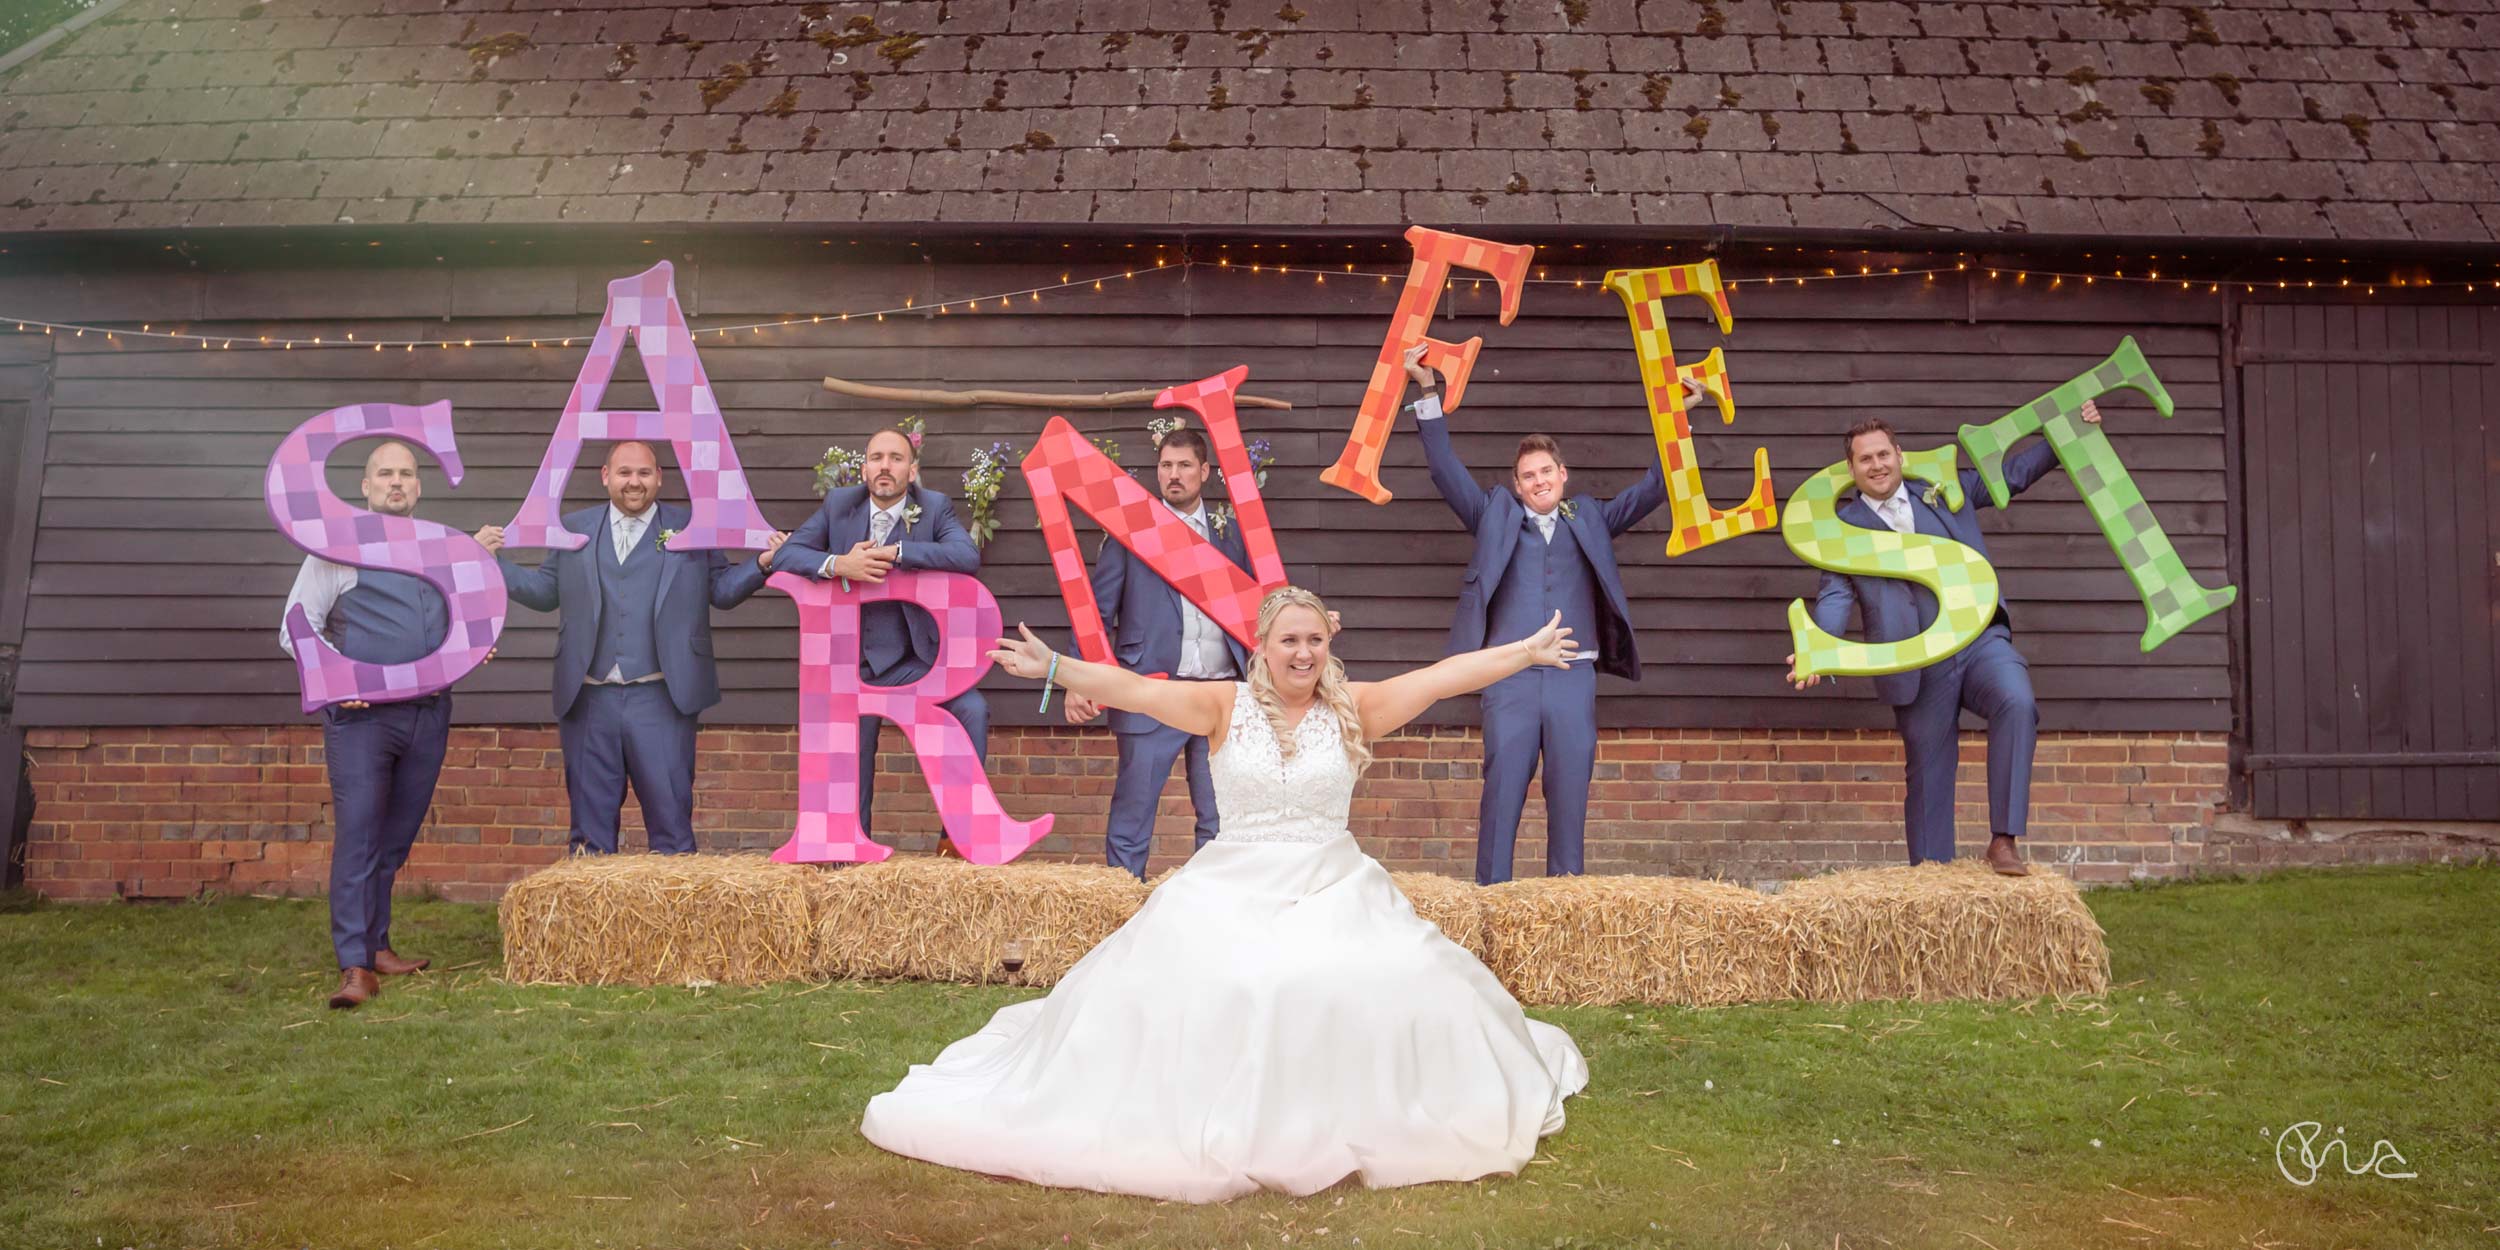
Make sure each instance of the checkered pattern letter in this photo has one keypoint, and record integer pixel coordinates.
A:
(1695, 524)
(1436, 253)
(689, 420)
(1964, 583)
(832, 698)
(2172, 599)
(315, 519)
(1064, 469)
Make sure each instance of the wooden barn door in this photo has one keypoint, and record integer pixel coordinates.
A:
(2371, 455)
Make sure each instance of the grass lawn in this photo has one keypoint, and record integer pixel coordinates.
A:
(169, 1077)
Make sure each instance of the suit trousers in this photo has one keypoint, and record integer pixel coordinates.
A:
(1145, 764)
(1544, 712)
(383, 762)
(1990, 678)
(632, 732)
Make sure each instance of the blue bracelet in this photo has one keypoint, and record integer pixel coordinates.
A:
(1047, 679)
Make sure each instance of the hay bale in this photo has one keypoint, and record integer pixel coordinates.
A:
(1942, 931)
(947, 920)
(1583, 941)
(659, 920)
(1456, 906)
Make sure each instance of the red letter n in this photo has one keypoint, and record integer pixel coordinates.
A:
(1064, 469)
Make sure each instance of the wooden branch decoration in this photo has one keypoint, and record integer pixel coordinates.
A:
(1024, 399)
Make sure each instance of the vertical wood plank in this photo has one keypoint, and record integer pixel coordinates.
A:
(2313, 452)
(2371, 509)
(2416, 392)
(2442, 413)
(2346, 640)
(2477, 450)
(2258, 437)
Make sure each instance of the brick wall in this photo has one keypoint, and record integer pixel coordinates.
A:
(167, 812)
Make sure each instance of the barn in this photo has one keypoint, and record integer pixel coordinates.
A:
(220, 218)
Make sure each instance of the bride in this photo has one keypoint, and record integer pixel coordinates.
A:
(1276, 1016)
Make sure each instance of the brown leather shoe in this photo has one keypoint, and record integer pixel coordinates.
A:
(355, 986)
(2003, 857)
(388, 962)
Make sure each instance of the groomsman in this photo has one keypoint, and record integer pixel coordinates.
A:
(887, 524)
(1538, 551)
(633, 664)
(1158, 631)
(383, 759)
(1989, 677)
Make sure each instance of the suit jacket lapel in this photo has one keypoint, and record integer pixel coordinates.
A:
(1583, 525)
(597, 549)
(666, 520)
(1855, 511)
(906, 528)
(1508, 513)
(1235, 547)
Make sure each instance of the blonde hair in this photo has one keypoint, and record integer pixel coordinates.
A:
(1333, 692)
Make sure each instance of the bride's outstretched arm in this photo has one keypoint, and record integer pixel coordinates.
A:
(1386, 706)
(1196, 707)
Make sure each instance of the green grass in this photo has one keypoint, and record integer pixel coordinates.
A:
(168, 1077)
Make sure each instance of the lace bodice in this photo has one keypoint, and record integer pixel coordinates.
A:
(1263, 797)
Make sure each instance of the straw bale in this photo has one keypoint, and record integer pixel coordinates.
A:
(1456, 906)
(1580, 941)
(1942, 931)
(659, 920)
(947, 920)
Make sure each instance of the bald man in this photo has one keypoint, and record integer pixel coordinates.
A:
(633, 665)
(383, 759)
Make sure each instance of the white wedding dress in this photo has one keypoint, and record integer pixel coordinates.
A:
(1275, 1017)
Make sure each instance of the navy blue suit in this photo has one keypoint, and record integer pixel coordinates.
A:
(1513, 586)
(898, 643)
(1144, 614)
(1989, 676)
(650, 615)
(383, 760)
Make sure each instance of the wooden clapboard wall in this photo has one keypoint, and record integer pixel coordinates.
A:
(157, 579)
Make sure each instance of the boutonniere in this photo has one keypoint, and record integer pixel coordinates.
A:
(1928, 497)
(911, 515)
(666, 535)
(1219, 518)
(1570, 508)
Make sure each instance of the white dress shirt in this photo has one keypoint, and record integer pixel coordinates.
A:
(1204, 657)
(318, 586)
(1894, 511)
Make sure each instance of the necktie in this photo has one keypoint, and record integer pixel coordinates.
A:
(628, 532)
(1197, 524)
(881, 529)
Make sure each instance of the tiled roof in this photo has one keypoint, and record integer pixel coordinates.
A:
(2365, 120)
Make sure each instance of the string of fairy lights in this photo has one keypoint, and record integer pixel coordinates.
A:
(1007, 301)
